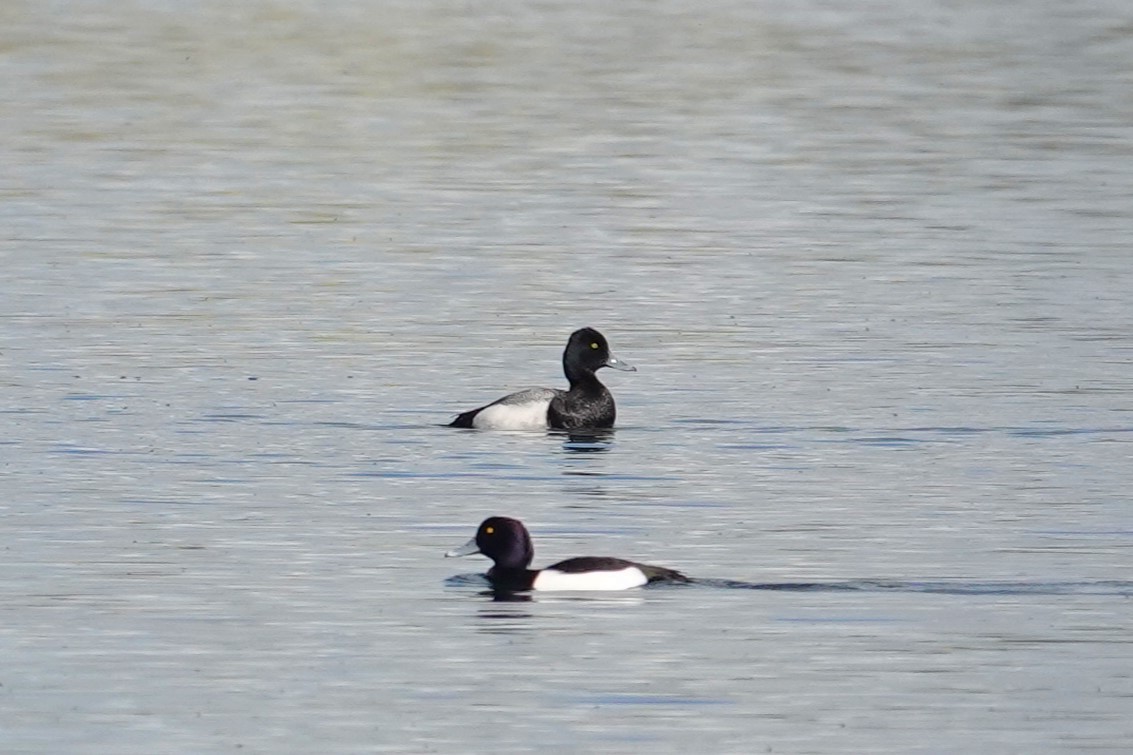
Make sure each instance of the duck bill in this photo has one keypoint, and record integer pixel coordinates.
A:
(468, 549)
(619, 364)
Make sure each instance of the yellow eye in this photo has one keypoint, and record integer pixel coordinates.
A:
(593, 345)
(489, 530)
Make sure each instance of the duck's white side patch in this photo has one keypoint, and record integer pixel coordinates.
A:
(526, 416)
(622, 579)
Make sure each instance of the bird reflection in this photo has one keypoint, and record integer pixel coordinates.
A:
(503, 596)
(501, 619)
(595, 441)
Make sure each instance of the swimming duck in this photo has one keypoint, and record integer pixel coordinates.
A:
(586, 404)
(507, 542)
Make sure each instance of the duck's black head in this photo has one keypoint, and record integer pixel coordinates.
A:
(505, 541)
(586, 352)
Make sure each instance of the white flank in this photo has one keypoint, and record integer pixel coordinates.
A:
(529, 416)
(622, 579)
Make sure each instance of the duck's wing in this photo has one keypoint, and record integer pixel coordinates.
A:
(522, 410)
(528, 396)
(605, 563)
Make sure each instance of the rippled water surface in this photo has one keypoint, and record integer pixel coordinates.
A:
(872, 261)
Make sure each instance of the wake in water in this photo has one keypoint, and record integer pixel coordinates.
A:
(1104, 587)
(1121, 588)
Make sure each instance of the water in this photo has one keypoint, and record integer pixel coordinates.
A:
(872, 261)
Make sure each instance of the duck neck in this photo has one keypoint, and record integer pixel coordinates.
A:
(581, 379)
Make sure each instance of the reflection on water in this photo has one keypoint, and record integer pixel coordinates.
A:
(498, 621)
(628, 598)
(590, 441)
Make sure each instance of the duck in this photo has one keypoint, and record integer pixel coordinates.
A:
(507, 542)
(587, 404)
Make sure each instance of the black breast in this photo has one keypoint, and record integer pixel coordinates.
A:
(512, 579)
(578, 410)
